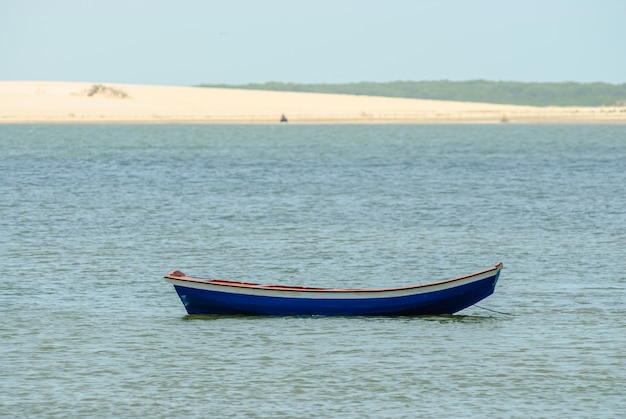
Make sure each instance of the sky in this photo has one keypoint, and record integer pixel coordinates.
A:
(189, 42)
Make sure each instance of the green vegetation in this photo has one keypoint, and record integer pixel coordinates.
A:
(502, 92)
(101, 89)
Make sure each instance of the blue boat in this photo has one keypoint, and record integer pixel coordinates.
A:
(216, 296)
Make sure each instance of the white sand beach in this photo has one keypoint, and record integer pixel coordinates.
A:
(95, 102)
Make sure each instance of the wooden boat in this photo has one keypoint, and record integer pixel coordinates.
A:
(216, 296)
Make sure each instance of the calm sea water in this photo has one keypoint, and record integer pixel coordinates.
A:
(92, 217)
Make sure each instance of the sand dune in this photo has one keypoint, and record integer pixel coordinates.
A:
(62, 102)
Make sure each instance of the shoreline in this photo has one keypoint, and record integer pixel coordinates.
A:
(38, 102)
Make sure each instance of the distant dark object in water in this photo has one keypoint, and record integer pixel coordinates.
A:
(283, 118)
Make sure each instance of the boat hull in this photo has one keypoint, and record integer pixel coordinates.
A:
(205, 296)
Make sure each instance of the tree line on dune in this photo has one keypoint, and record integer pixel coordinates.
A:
(500, 92)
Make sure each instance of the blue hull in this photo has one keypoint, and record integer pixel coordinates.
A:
(441, 301)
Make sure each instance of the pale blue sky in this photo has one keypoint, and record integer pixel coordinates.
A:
(185, 42)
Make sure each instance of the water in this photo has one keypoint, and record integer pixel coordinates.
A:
(92, 217)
